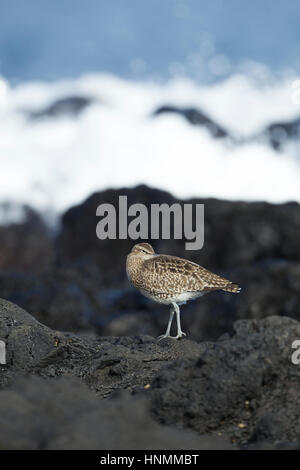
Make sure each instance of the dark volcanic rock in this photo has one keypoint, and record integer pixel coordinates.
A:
(27, 341)
(24, 244)
(272, 288)
(195, 117)
(242, 388)
(106, 364)
(245, 386)
(236, 233)
(254, 244)
(64, 414)
(61, 299)
(78, 241)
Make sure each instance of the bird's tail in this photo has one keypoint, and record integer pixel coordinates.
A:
(232, 288)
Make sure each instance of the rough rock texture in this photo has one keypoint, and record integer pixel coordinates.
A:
(245, 386)
(27, 341)
(242, 389)
(106, 364)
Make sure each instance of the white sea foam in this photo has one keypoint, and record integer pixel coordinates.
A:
(55, 163)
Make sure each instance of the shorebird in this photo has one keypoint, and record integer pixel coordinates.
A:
(171, 281)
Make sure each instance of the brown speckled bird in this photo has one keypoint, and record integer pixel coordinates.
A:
(172, 281)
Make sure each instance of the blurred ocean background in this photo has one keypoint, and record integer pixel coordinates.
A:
(198, 97)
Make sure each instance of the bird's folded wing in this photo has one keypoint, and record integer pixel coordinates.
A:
(169, 272)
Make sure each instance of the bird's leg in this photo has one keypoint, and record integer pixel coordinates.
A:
(174, 308)
(180, 333)
(167, 333)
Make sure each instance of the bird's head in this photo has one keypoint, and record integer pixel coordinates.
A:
(143, 250)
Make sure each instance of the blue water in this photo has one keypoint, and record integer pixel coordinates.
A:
(42, 39)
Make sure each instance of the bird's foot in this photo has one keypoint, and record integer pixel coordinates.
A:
(180, 335)
(159, 338)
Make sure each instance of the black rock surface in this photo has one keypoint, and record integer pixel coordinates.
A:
(63, 390)
(245, 386)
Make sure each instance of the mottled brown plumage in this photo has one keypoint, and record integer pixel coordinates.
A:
(171, 280)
